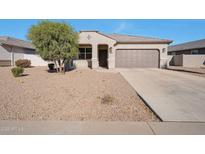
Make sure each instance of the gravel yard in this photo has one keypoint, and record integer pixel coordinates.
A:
(77, 95)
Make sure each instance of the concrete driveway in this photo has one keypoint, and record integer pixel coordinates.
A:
(173, 96)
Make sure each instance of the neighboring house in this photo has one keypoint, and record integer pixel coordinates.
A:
(193, 47)
(189, 54)
(113, 51)
(12, 49)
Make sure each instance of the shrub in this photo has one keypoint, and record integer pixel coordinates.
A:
(23, 63)
(51, 66)
(17, 71)
(107, 99)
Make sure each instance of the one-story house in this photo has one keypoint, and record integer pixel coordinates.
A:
(188, 48)
(120, 51)
(12, 49)
(189, 54)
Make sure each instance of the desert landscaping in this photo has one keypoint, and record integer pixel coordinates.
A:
(77, 95)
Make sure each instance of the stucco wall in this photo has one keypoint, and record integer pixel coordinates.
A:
(188, 60)
(178, 60)
(94, 39)
(193, 60)
(35, 59)
(4, 53)
(17, 53)
(11, 53)
(81, 63)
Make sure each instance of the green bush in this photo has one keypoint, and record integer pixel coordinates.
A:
(17, 71)
(23, 63)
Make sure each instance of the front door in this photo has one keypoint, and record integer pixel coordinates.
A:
(102, 56)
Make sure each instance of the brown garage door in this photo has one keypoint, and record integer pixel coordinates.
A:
(137, 58)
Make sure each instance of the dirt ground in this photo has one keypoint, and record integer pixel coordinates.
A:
(76, 95)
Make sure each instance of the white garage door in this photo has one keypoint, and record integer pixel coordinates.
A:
(136, 58)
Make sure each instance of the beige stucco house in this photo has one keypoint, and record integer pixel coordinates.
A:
(116, 51)
(121, 51)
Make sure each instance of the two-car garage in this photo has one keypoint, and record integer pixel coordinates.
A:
(137, 58)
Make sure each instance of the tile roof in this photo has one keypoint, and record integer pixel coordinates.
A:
(187, 46)
(136, 39)
(15, 42)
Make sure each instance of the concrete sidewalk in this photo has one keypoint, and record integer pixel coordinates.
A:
(100, 128)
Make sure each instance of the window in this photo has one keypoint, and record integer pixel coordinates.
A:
(81, 53)
(194, 52)
(85, 53)
(88, 53)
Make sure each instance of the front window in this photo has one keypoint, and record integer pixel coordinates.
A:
(85, 53)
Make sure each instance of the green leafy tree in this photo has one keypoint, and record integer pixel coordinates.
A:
(54, 41)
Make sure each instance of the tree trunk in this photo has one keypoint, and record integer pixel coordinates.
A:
(56, 65)
(61, 63)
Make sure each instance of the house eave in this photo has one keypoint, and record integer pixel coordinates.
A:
(2, 43)
(186, 49)
(147, 42)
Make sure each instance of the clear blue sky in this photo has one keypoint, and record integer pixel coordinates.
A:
(177, 30)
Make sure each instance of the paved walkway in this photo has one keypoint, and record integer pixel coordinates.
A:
(174, 96)
(99, 128)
